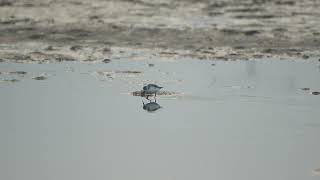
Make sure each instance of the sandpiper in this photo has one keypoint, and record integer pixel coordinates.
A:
(151, 89)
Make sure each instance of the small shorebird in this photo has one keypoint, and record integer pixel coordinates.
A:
(151, 89)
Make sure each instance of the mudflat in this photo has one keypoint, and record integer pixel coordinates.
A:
(91, 30)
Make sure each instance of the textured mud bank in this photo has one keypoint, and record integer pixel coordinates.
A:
(74, 30)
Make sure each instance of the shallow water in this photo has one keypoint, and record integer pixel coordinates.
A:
(231, 120)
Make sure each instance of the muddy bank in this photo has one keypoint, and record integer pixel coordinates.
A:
(54, 30)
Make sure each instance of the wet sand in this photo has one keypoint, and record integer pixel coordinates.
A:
(54, 30)
(232, 120)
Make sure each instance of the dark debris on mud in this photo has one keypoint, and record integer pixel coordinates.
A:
(106, 60)
(18, 72)
(75, 48)
(40, 78)
(11, 80)
(129, 72)
(305, 89)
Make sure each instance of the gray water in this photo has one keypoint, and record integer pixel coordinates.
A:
(232, 120)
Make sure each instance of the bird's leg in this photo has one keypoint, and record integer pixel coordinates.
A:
(147, 97)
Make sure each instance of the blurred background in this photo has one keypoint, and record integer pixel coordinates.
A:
(222, 29)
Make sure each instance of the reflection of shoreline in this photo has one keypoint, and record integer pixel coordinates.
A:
(151, 106)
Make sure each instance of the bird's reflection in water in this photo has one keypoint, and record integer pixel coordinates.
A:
(151, 106)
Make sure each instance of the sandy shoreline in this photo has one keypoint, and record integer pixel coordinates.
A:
(53, 30)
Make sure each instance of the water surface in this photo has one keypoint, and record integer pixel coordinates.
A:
(231, 120)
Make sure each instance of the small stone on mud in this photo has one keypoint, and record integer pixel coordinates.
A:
(305, 57)
(36, 36)
(61, 57)
(75, 48)
(150, 65)
(18, 72)
(12, 80)
(252, 32)
(40, 78)
(305, 89)
(106, 60)
(50, 48)
(129, 72)
(315, 93)
(106, 50)
(94, 17)
(213, 64)
(222, 58)
(239, 47)
(258, 55)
